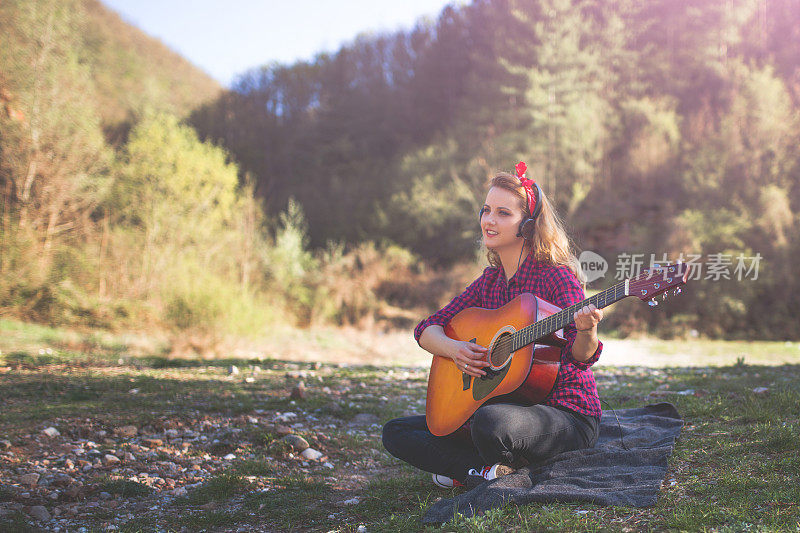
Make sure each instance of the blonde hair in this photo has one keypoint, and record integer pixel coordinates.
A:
(550, 243)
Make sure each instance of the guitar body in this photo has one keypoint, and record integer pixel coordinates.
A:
(526, 376)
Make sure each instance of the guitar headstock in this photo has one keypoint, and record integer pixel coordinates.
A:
(657, 280)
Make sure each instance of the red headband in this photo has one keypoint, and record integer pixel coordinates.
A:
(527, 184)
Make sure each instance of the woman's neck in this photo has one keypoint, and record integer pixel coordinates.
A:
(511, 258)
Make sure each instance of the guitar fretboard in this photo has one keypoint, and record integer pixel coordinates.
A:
(563, 318)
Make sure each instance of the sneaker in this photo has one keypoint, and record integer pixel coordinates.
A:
(487, 473)
(445, 482)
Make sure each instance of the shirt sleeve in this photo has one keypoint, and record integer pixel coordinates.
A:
(564, 290)
(471, 297)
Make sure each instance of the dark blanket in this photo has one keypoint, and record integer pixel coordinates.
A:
(607, 474)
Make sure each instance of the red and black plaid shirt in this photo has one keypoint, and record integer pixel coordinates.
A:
(575, 387)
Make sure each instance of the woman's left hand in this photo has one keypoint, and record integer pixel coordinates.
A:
(587, 318)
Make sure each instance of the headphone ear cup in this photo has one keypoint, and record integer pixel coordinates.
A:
(526, 228)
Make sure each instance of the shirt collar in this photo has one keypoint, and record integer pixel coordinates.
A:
(526, 266)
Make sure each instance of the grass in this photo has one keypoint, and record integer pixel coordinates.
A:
(734, 468)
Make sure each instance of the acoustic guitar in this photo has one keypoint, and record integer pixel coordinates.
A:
(524, 338)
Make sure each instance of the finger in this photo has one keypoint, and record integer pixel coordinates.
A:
(470, 369)
(477, 347)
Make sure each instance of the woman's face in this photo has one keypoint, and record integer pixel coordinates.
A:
(500, 219)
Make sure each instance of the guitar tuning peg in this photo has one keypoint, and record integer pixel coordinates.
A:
(652, 303)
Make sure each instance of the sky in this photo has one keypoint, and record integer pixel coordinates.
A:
(227, 37)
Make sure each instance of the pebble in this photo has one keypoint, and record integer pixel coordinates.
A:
(362, 529)
(109, 459)
(760, 390)
(5, 444)
(298, 392)
(327, 464)
(51, 432)
(352, 501)
(297, 442)
(282, 430)
(229, 457)
(30, 479)
(311, 454)
(233, 370)
(126, 432)
(39, 512)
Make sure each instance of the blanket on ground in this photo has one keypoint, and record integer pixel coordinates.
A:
(625, 467)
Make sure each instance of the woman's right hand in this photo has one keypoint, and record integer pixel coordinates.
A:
(469, 357)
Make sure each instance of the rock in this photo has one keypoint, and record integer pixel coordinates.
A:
(109, 459)
(249, 380)
(129, 457)
(126, 432)
(105, 496)
(39, 513)
(5, 444)
(152, 443)
(361, 529)
(282, 430)
(364, 419)
(760, 390)
(51, 432)
(233, 370)
(172, 434)
(229, 457)
(297, 442)
(30, 479)
(180, 491)
(352, 501)
(298, 392)
(62, 480)
(328, 465)
(73, 491)
(311, 454)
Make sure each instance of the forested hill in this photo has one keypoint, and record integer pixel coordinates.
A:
(128, 69)
(132, 69)
(627, 111)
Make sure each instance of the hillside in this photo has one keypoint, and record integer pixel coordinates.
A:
(132, 69)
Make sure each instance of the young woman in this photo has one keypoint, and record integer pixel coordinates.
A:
(528, 251)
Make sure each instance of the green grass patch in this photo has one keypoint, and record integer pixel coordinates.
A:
(123, 487)
(295, 502)
(218, 488)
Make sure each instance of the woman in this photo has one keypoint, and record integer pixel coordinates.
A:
(528, 251)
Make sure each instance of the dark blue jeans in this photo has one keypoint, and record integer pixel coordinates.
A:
(497, 433)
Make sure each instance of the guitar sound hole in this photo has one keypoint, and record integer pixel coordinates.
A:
(501, 350)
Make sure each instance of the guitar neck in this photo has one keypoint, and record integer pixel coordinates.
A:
(563, 318)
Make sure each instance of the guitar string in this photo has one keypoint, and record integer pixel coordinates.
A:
(530, 334)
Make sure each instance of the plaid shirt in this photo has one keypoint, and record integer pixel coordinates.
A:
(575, 388)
